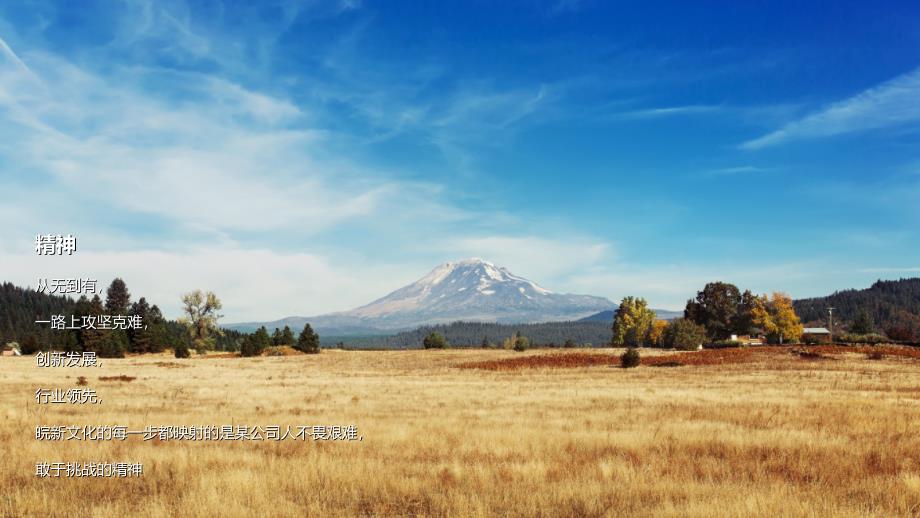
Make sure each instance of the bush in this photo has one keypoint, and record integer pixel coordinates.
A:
(685, 335)
(872, 338)
(569, 343)
(630, 358)
(521, 344)
(435, 341)
(181, 350)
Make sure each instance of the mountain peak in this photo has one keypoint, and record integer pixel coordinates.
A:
(477, 290)
(472, 290)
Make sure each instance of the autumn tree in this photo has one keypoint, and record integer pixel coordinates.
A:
(777, 318)
(656, 334)
(201, 317)
(632, 323)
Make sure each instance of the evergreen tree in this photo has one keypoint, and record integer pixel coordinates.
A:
(112, 344)
(308, 341)
(139, 340)
(29, 345)
(277, 337)
(117, 298)
(287, 336)
(263, 340)
(157, 332)
(862, 324)
(93, 337)
(250, 346)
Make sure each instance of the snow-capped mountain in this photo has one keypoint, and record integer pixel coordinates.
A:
(470, 290)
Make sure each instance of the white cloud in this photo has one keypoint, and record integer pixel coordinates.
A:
(889, 104)
(253, 284)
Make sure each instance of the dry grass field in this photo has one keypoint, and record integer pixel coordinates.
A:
(782, 434)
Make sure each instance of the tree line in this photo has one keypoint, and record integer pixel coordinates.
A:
(718, 312)
(196, 330)
(486, 334)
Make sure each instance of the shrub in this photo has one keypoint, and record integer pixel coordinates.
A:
(569, 343)
(181, 350)
(521, 344)
(684, 334)
(871, 338)
(435, 341)
(630, 358)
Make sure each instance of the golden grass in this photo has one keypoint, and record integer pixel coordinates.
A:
(777, 437)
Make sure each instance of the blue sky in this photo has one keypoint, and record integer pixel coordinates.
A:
(307, 157)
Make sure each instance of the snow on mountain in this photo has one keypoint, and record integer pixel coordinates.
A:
(470, 290)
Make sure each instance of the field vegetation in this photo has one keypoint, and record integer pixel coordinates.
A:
(733, 432)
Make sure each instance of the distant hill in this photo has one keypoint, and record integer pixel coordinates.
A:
(607, 316)
(888, 303)
(472, 334)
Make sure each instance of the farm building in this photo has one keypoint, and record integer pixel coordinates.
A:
(816, 334)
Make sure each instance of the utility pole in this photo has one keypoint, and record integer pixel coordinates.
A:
(830, 322)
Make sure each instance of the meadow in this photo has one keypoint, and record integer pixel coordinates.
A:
(832, 434)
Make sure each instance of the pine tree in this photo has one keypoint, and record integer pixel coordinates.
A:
(92, 337)
(287, 336)
(862, 324)
(29, 345)
(277, 337)
(139, 340)
(308, 341)
(117, 298)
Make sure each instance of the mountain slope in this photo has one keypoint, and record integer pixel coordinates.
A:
(469, 290)
(888, 303)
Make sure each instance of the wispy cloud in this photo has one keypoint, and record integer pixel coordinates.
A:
(892, 103)
(670, 111)
(744, 169)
